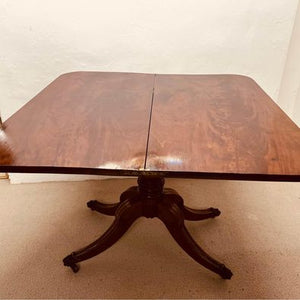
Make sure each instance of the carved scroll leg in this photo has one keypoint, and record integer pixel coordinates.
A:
(173, 218)
(199, 214)
(106, 209)
(126, 214)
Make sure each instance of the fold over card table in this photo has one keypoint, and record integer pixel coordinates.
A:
(153, 127)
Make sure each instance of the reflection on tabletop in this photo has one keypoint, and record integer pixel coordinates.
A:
(153, 162)
(6, 157)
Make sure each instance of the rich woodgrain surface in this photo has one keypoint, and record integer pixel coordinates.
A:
(220, 124)
(82, 119)
(203, 126)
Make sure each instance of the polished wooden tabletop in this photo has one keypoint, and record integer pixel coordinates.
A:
(194, 126)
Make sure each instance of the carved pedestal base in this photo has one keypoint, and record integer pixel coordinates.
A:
(150, 199)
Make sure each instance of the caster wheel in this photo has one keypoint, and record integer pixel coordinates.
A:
(69, 262)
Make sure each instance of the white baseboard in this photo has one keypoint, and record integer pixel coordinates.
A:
(3, 176)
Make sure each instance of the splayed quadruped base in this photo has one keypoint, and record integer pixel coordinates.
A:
(150, 199)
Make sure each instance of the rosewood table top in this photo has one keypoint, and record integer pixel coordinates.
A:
(196, 126)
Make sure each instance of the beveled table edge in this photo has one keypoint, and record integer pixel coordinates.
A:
(165, 174)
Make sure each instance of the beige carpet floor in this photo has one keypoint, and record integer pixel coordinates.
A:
(257, 236)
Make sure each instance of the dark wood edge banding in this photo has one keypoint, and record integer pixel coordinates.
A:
(136, 173)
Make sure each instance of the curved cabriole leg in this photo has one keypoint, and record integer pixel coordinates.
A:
(172, 216)
(126, 214)
(199, 214)
(103, 208)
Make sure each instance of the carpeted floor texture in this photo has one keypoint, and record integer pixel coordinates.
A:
(256, 236)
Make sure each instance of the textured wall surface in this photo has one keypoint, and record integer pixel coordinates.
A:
(289, 93)
(42, 39)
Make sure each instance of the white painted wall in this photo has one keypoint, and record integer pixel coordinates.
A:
(42, 39)
(289, 95)
(296, 111)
